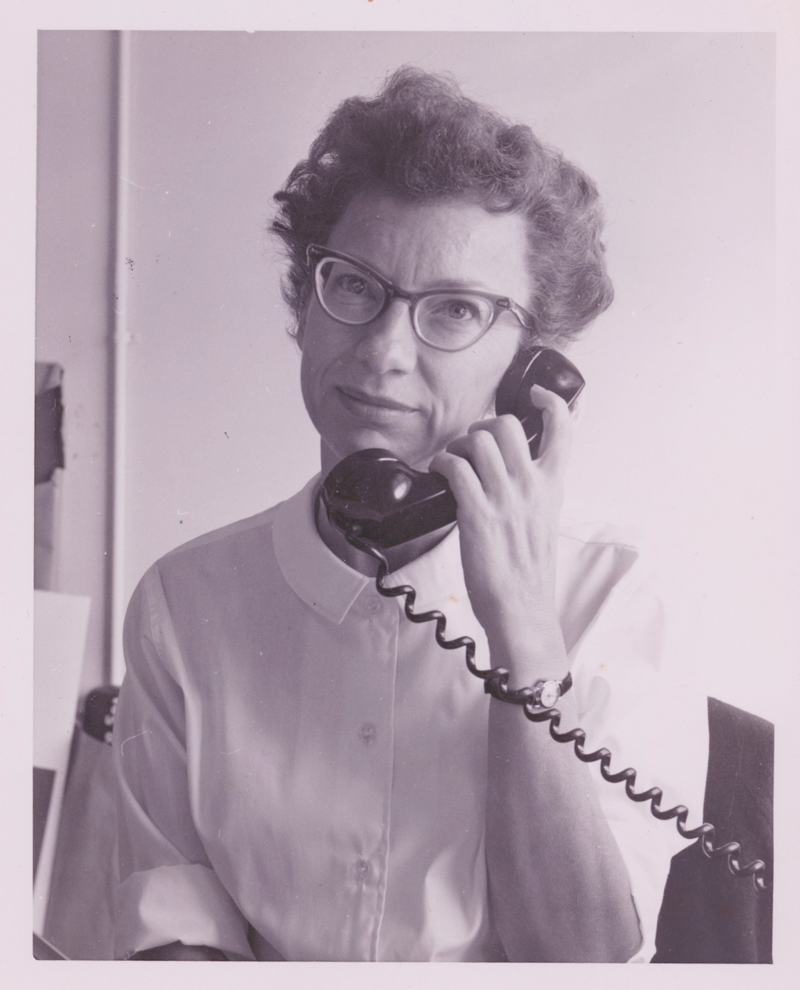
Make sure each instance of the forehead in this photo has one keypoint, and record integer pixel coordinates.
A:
(427, 244)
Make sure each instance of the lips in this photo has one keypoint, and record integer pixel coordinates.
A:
(358, 398)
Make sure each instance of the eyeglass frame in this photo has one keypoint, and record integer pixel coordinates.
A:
(316, 254)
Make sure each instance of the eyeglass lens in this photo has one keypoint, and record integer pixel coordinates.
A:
(449, 320)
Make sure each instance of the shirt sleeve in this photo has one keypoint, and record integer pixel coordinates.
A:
(168, 889)
(633, 701)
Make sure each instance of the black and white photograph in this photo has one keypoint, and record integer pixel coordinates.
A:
(415, 430)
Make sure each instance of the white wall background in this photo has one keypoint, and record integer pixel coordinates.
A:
(679, 434)
(74, 234)
(683, 432)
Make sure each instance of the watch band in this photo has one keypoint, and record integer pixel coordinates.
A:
(547, 693)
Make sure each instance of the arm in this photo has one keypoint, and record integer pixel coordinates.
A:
(559, 890)
(559, 887)
(170, 900)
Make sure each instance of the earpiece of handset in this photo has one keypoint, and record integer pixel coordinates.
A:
(541, 366)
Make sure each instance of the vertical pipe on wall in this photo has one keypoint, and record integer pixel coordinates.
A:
(121, 340)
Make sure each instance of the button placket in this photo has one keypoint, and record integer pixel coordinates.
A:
(369, 714)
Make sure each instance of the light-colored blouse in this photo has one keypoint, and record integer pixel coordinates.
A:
(302, 771)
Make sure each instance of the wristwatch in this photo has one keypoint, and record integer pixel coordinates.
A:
(547, 693)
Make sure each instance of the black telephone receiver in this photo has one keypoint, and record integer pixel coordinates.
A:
(375, 496)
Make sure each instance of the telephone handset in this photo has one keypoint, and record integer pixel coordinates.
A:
(373, 495)
(378, 502)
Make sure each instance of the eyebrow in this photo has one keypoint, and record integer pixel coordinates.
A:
(463, 285)
(451, 283)
(460, 284)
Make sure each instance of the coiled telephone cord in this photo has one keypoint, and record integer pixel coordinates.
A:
(495, 683)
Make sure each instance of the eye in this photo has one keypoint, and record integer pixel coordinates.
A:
(459, 310)
(348, 283)
(452, 310)
(345, 285)
(347, 293)
(451, 321)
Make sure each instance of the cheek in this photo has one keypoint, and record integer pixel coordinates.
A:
(318, 350)
(469, 389)
(322, 341)
(312, 365)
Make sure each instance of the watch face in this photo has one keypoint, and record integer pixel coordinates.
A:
(550, 694)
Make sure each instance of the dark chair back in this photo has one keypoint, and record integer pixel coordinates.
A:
(707, 914)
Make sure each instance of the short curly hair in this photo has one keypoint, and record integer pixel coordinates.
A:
(421, 139)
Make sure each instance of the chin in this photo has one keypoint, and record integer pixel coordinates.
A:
(367, 440)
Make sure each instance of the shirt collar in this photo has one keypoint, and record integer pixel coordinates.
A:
(329, 586)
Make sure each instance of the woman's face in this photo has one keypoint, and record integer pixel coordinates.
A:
(377, 385)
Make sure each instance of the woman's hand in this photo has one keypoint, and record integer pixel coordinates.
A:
(508, 515)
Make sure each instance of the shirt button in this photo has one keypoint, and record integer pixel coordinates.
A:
(366, 733)
(373, 605)
(361, 870)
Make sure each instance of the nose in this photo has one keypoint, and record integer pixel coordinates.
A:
(388, 343)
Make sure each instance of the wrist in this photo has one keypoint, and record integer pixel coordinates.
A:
(548, 693)
(535, 652)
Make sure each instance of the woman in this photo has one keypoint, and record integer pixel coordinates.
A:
(304, 774)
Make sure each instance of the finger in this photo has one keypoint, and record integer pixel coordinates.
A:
(480, 449)
(557, 432)
(464, 482)
(509, 435)
(577, 409)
